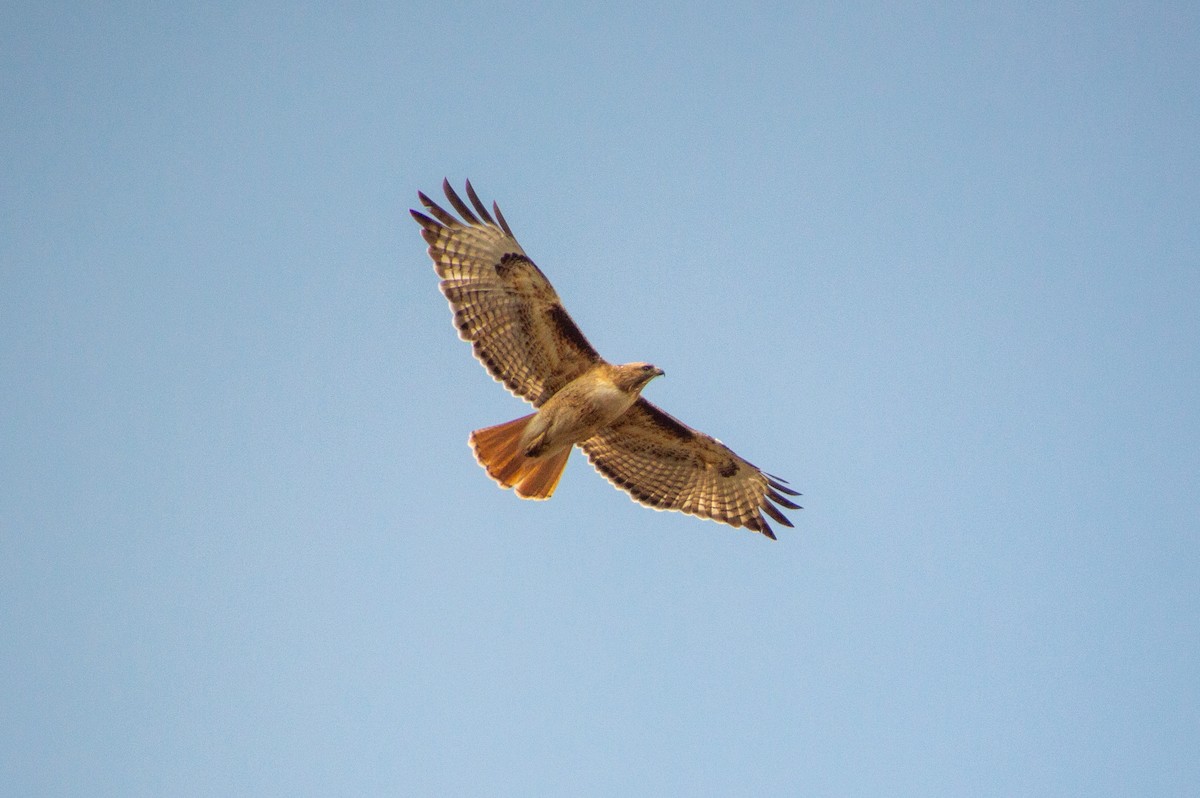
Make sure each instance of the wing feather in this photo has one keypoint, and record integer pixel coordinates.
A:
(500, 218)
(480, 208)
(502, 303)
(458, 204)
(438, 212)
(665, 464)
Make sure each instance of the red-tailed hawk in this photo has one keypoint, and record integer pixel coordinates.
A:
(510, 313)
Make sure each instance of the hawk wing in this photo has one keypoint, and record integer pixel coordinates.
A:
(665, 464)
(502, 302)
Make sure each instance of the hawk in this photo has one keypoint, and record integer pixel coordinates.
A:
(507, 309)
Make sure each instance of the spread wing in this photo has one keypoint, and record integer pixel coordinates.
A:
(665, 464)
(502, 302)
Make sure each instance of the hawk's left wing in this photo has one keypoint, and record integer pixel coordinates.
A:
(665, 464)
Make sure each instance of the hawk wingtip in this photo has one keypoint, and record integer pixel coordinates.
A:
(463, 209)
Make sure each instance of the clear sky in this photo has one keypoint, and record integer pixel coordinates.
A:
(938, 266)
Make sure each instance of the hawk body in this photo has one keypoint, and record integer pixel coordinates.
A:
(519, 330)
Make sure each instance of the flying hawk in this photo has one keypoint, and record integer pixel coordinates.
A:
(517, 326)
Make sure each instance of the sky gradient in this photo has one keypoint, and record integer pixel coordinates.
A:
(938, 266)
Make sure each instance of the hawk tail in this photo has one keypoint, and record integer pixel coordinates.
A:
(499, 450)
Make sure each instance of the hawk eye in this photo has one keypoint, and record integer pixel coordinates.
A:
(647, 367)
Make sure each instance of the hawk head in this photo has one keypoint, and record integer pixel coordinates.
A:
(634, 376)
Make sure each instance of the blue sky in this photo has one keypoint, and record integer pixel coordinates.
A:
(938, 265)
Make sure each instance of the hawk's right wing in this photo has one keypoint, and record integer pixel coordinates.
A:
(502, 302)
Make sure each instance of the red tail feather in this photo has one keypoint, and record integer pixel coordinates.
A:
(499, 449)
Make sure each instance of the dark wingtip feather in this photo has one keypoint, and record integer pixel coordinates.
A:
(758, 524)
(500, 218)
(479, 206)
(781, 485)
(438, 211)
(781, 500)
(459, 205)
(423, 220)
(772, 511)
